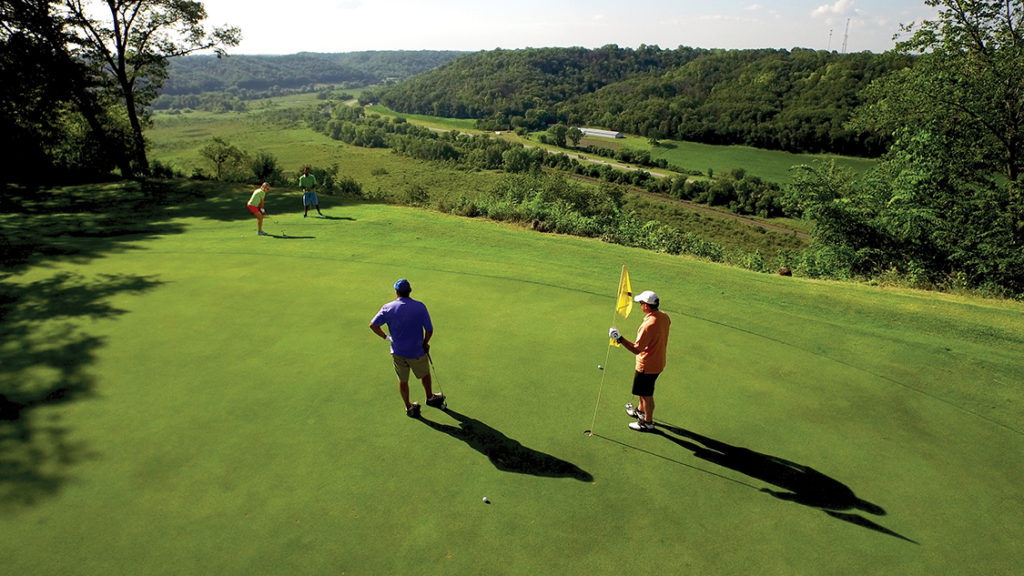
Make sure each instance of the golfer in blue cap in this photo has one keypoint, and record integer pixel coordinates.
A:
(410, 330)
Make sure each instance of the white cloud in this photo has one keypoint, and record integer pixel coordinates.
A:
(837, 8)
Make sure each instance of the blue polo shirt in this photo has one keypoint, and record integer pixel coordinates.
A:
(407, 320)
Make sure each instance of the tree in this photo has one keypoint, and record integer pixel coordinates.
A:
(966, 82)
(947, 192)
(558, 134)
(50, 102)
(575, 134)
(131, 50)
(222, 155)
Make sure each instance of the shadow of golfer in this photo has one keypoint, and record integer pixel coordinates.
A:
(287, 237)
(506, 454)
(326, 217)
(797, 483)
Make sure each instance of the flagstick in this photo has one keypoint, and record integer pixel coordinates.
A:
(607, 354)
(601, 388)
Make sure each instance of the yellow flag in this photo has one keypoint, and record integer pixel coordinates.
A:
(624, 300)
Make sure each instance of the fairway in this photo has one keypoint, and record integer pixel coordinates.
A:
(184, 397)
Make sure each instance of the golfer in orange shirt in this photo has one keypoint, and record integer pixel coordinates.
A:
(651, 343)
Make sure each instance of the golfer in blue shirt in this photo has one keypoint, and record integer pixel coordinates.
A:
(409, 324)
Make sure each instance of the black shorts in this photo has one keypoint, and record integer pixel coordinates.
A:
(643, 384)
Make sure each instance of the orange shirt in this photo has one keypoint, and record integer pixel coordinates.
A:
(652, 340)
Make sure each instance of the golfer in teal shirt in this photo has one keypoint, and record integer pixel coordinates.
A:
(307, 182)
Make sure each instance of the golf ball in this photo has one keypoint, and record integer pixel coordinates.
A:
(599, 367)
(485, 499)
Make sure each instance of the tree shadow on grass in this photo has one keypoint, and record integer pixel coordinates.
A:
(506, 454)
(798, 483)
(38, 226)
(46, 350)
(44, 364)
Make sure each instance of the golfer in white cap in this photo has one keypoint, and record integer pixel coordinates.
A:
(650, 346)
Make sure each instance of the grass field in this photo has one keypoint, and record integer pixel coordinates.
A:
(773, 165)
(183, 397)
(435, 122)
(177, 138)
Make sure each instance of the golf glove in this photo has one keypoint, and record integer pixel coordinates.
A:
(613, 333)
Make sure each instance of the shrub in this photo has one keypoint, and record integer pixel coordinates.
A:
(264, 167)
(415, 195)
(349, 186)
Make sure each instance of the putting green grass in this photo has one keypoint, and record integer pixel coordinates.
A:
(183, 397)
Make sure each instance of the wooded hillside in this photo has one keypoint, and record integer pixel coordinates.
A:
(797, 100)
(207, 73)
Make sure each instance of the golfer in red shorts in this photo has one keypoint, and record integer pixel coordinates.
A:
(256, 206)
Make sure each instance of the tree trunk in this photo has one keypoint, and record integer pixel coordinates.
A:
(138, 149)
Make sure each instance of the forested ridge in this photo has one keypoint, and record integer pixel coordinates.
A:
(798, 100)
(207, 73)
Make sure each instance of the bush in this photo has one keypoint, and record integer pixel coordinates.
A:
(826, 262)
(264, 167)
(349, 186)
(415, 195)
(160, 170)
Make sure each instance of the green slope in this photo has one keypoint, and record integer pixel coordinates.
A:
(183, 397)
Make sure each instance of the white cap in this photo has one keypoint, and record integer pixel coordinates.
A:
(647, 297)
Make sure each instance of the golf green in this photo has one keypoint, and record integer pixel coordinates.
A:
(184, 397)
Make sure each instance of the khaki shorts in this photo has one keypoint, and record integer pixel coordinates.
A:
(420, 367)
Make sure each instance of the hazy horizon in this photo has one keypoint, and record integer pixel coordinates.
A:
(470, 26)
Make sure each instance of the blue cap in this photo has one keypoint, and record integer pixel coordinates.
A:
(402, 285)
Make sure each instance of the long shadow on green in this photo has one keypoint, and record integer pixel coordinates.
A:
(799, 483)
(506, 454)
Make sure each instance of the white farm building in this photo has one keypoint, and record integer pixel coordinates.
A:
(601, 133)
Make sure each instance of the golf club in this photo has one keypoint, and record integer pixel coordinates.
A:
(436, 382)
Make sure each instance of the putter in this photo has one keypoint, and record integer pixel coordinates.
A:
(436, 381)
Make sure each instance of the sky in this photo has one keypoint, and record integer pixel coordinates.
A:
(333, 26)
